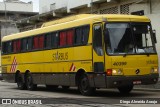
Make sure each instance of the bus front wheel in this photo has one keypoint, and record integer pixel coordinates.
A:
(29, 82)
(125, 89)
(84, 86)
(20, 84)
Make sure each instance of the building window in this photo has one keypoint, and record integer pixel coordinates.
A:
(124, 9)
(112, 10)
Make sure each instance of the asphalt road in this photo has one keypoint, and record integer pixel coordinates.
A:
(72, 98)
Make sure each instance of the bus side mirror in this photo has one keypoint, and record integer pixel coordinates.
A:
(154, 36)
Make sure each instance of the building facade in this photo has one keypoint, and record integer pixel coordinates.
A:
(13, 10)
(16, 5)
(49, 5)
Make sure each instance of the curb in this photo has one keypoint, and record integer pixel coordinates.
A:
(147, 89)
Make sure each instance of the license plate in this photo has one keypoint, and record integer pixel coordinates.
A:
(137, 82)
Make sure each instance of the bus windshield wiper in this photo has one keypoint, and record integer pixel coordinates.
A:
(125, 54)
(147, 54)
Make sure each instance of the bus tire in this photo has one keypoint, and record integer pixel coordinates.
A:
(29, 83)
(125, 89)
(84, 86)
(20, 84)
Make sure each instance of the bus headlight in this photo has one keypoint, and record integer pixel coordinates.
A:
(154, 70)
(117, 72)
(114, 71)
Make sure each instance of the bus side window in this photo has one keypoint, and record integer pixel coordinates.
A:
(97, 39)
(81, 35)
(85, 34)
(7, 47)
(15, 46)
(47, 41)
(4, 48)
(18, 45)
(35, 42)
(78, 36)
(29, 44)
(70, 36)
(10, 48)
(24, 44)
(62, 37)
(54, 40)
(41, 42)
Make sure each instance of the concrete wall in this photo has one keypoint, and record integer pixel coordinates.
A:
(11, 6)
(155, 7)
(45, 5)
(60, 3)
(7, 29)
(77, 3)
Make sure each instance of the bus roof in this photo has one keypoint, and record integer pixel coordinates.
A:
(66, 19)
(76, 20)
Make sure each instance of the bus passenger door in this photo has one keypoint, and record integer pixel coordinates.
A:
(98, 55)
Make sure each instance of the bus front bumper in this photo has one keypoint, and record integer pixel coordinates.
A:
(116, 81)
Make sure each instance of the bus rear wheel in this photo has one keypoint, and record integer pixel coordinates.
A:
(84, 86)
(29, 82)
(20, 84)
(125, 89)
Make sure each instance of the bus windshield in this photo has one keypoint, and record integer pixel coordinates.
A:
(129, 38)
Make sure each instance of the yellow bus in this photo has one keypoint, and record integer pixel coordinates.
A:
(88, 51)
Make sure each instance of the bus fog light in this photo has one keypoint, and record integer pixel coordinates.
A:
(119, 71)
